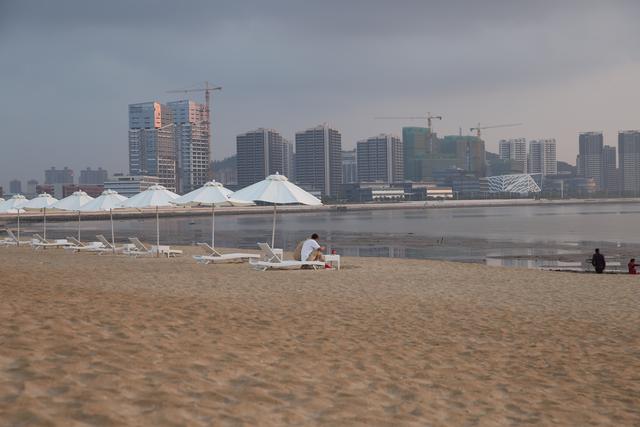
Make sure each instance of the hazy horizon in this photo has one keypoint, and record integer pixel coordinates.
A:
(72, 68)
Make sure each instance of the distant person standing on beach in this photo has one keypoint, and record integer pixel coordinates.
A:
(632, 266)
(598, 261)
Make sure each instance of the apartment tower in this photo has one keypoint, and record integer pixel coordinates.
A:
(319, 160)
(193, 149)
(152, 143)
(590, 156)
(380, 159)
(514, 150)
(629, 162)
(542, 157)
(260, 153)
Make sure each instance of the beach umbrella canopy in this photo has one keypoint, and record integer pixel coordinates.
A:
(107, 201)
(14, 206)
(155, 196)
(41, 203)
(211, 194)
(73, 203)
(276, 189)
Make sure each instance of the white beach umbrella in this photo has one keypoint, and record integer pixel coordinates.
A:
(41, 203)
(278, 190)
(107, 201)
(155, 196)
(73, 203)
(211, 194)
(14, 205)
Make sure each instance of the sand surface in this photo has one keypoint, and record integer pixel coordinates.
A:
(104, 340)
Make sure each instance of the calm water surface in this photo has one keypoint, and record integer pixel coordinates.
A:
(466, 234)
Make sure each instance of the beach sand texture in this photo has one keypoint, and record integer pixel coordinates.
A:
(104, 340)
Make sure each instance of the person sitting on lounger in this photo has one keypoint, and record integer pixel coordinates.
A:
(311, 249)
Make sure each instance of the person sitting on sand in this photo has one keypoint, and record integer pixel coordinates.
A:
(598, 261)
(311, 249)
(632, 266)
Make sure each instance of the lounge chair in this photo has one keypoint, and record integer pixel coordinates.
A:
(114, 249)
(141, 249)
(13, 237)
(7, 241)
(12, 240)
(213, 256)
(78, 246)
(274, 261)
(39, 242)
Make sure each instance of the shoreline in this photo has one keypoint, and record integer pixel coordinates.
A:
(35, 216)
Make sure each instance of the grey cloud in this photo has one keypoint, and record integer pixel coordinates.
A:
(282, 63)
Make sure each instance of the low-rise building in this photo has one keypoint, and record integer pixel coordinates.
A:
(128, 185)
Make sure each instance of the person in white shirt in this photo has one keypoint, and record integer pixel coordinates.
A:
(311, 249)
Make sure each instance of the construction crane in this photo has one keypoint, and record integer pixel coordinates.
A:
(428, 117)
(207, 89)
(479, 128)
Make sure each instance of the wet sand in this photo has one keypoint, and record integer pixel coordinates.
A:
(104, 340)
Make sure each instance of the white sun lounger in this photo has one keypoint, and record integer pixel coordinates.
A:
(12, 240)
(117, 249)
(78, 246)
(213, 256)
(275, 262)
(40, 243)
(141, 249)
(13, 237)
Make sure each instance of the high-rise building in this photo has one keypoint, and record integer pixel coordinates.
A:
(89, 176)
(58, 176)
(542, 157)
(590, 152)
(515, 151)
(15, 186)
(425, 155)
(380, 158)
(289, 160)
(349, 167)
(193, 150)
(261, 152)
(152, 147)
(32, 185)
(610, 182)
(468, 152)
(629, 162)
(319, 160)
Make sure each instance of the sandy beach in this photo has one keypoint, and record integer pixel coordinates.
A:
(105, 340)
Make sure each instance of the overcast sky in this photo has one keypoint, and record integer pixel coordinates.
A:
(70, 68)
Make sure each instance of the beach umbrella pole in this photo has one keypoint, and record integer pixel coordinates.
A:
(113, 240)
(157, 234)
(213, 226)
(273, 231)
(18, 243)
(45, 224)
(79, 239)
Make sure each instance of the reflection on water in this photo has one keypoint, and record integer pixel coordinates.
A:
(462, 234)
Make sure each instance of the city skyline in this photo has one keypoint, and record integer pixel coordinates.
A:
(538, 72)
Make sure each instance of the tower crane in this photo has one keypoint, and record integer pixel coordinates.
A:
(428, 117)
(207, 89)
(479, 128)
